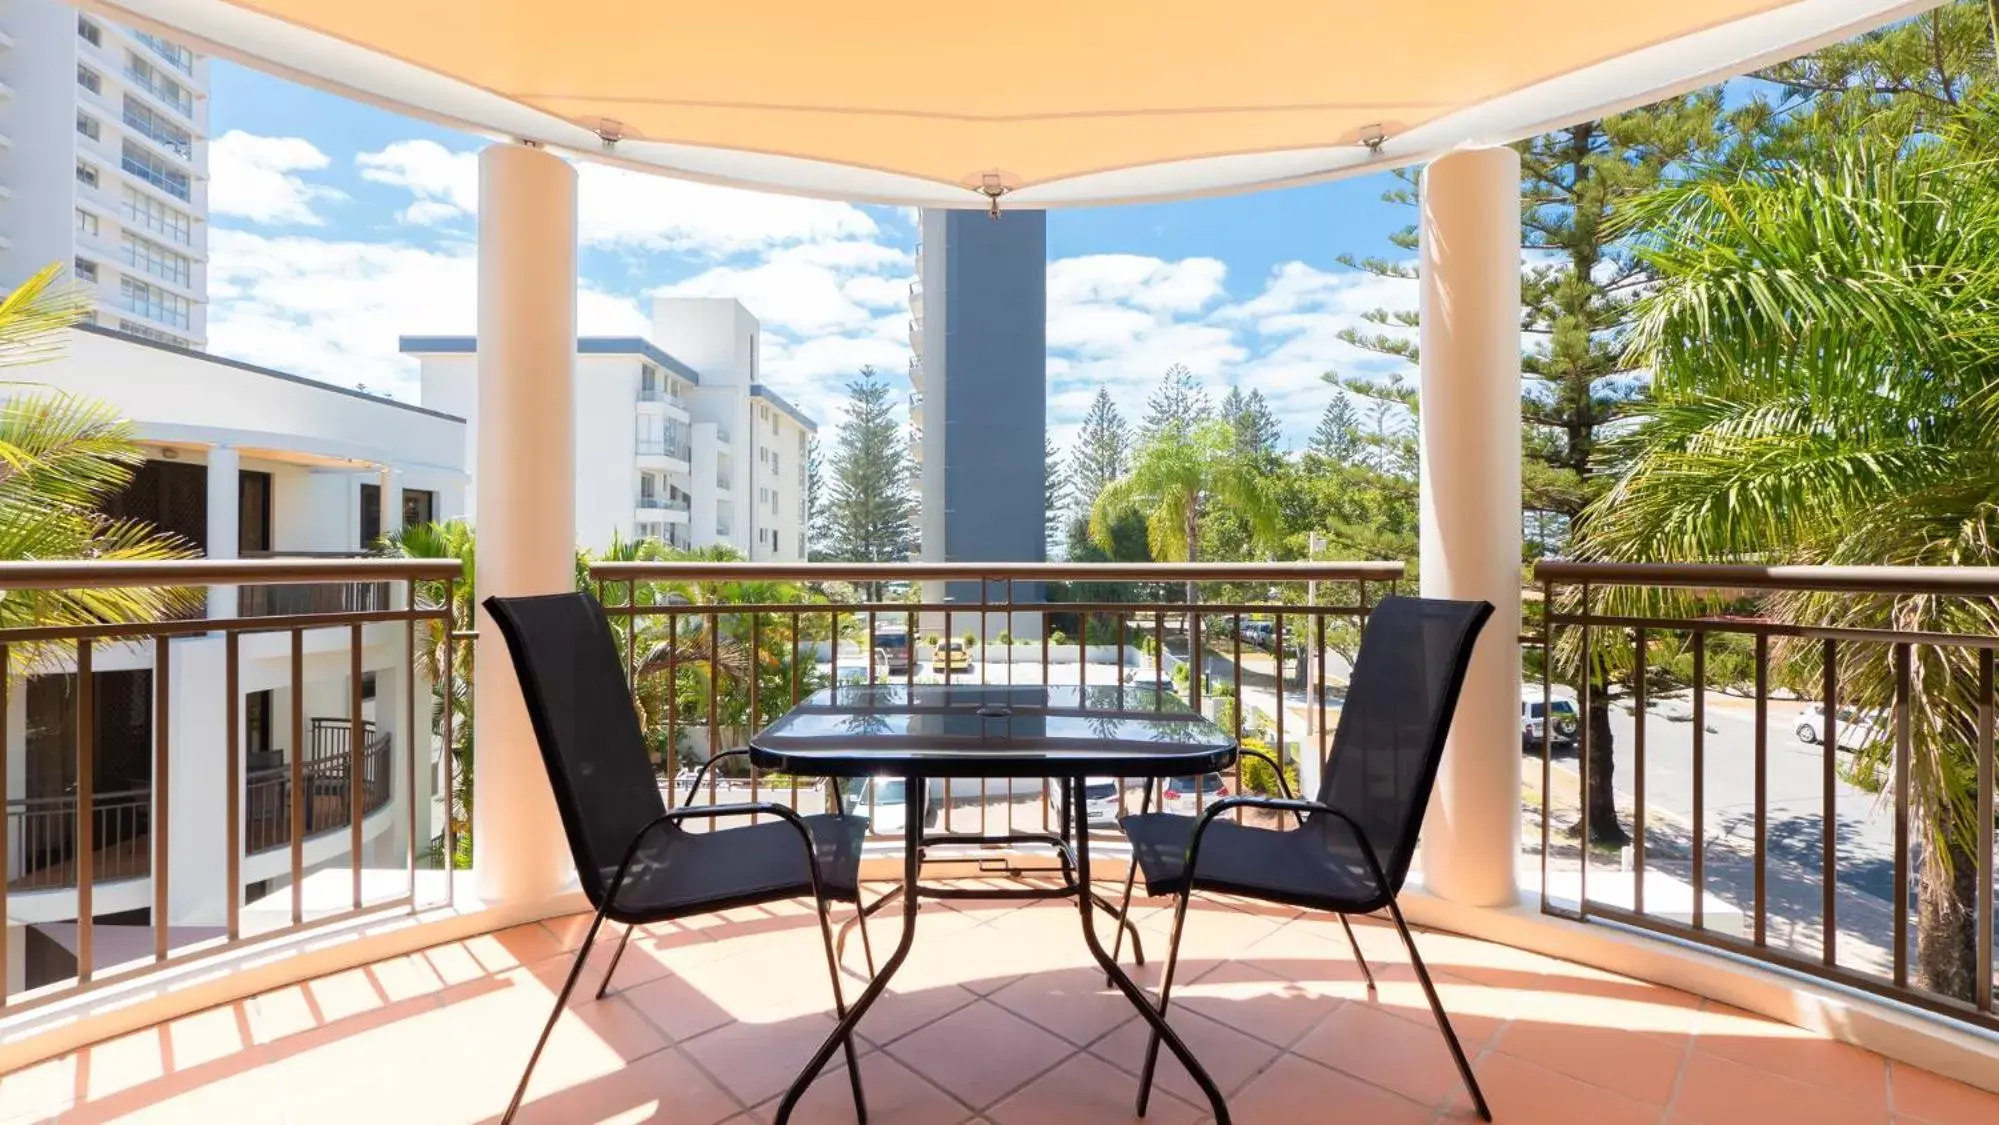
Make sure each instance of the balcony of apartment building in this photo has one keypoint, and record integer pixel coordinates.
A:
(1755, 954)
(661, 443)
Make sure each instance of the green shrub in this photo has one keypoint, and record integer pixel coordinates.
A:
(971, 640)
(1005, 638)
(1258, 777)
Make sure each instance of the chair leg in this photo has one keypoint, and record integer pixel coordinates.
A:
(867, 947)
(561, 1001)
(1437, 1010)
(1124, 908)
(1165, 994)
(1355, 942)
(840, 1011)
(613, 967)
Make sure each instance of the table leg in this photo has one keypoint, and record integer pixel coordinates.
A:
(912, 864)
(1124, 983)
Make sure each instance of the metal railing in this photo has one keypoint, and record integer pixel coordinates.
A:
(42, 836)
(1807, 766)
(1122, 630)
(92, 853)
(267, 792)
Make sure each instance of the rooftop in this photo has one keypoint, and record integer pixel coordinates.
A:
(996, 1018)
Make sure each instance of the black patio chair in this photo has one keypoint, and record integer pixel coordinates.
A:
(1348, 851)
(636, 862)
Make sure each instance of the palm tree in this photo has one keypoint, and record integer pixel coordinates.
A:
(61, 458)
(450, 540)
(1821, 339)
(1172, 477)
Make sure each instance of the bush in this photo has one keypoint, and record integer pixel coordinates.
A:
(1258, 777)
(931, 640)
(1005, 638)
(971, 640)
(1058, 638)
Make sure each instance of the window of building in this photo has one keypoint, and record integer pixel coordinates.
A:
(86, 174)
(253, 511)
(148, 332)
(177, 56)
(89, 32)
(87, 125)
(89, 79)
(86, 223)
(154, 302)
(149, 78)
(149, 256)
(86, 269)
(144, 211)
(763, 495)
(419, 508)
(774, 462)
(155, 170)
(141, 119)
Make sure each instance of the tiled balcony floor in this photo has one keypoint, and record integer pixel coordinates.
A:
(994, 1019)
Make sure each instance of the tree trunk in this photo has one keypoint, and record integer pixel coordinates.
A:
(1602, 795)
(1946, 916)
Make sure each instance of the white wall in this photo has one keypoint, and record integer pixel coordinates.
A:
(606, 428)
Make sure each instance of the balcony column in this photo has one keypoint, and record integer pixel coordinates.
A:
(1469, 266)
(225, 520)
(391, 520)
(525, 504)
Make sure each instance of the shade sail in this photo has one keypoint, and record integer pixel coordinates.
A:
(1057, 102)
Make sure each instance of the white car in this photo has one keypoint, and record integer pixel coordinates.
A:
(1856, 730)
(1100, 801)
(1177, 794)
(1533, 708)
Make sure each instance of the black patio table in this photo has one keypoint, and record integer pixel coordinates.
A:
(923, 731)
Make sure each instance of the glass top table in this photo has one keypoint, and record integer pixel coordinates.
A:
(991, 730)
(1064, 733)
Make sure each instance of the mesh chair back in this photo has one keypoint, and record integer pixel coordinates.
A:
(567, 660)
(1405, 684)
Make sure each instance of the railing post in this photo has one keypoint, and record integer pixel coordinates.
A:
(1470, 498)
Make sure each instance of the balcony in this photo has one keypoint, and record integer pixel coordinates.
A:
(1569, 1011)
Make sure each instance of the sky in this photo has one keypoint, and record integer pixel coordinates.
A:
(337, 227)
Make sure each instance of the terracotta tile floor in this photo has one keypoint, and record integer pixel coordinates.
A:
(996, 1020)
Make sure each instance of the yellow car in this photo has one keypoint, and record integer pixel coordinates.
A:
(951, 656)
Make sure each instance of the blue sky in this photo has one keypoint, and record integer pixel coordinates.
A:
(338, 227)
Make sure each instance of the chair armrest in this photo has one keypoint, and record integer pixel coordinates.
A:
(695, 787)
(1291, 805)
(715, 812)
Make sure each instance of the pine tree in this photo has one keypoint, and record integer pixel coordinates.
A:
(1054, 496)
(870, 506)
(1102, 453)
(1338, 437)
(1177, 406)
(816, 532)
(1257, 431)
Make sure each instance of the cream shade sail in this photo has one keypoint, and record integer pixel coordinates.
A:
(1052, 102)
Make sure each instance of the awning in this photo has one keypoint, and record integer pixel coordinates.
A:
(1053, 102)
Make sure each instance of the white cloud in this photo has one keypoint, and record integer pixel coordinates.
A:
(255, 178)
(332, 309)
(621, 209)
(1154, 284)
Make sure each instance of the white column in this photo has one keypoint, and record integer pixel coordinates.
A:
(1469, 231)
(525, 500)
(225, 519)
(391, 501)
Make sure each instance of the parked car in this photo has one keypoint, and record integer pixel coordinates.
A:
(856, 672)
(952, 656)
(882, 801)
(1178, 794)
(1532, 712)
(1100, 796)
(894, 647)
(1856, 730)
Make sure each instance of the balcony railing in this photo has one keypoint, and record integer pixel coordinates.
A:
(42, 836)
(85, 841)
(326, 797)
(660, 447)
(291, 598)
(1804, 756)
(1119, 632)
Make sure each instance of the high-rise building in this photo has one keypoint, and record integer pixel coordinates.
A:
(676, 439)
(104, 166)
(979, 334)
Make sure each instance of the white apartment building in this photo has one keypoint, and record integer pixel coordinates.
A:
(241, 461)
(676, 439)
(104, 166)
